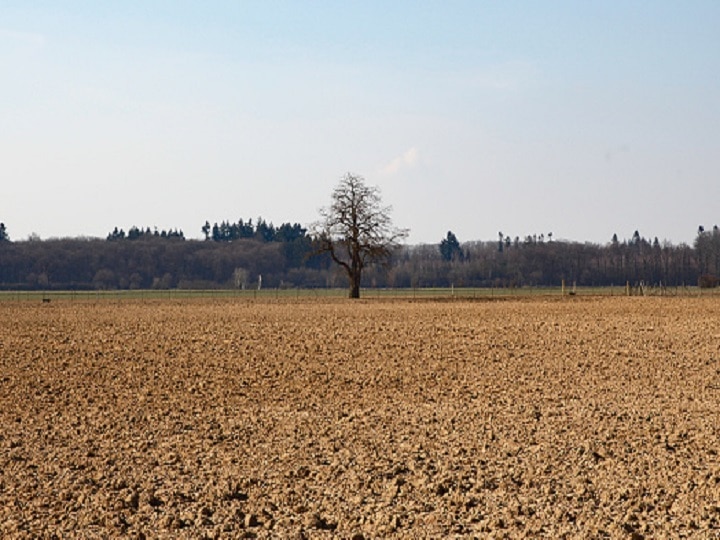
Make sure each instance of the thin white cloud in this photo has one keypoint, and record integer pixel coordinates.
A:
(407, 160)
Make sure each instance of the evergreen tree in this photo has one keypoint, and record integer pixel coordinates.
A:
(117, 234)
(3, 233)
(450, 248)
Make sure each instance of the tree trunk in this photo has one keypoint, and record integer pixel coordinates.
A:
(355, 285)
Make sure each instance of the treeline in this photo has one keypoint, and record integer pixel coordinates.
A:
(135, 233)
(239, 254)
(262, 231)
(154, 262)
(246, 254)
(224, 232)
(538, 261)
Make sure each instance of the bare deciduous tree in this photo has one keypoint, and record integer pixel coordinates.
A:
(241, 277)
(356, 229)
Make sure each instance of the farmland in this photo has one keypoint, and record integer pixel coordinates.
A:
(297, 417)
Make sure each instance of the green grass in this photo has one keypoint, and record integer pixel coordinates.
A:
(171, 294)
(419, 293)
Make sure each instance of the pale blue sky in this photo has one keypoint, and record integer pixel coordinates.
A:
(579, 118)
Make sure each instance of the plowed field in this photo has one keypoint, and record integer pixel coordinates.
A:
(555, 418)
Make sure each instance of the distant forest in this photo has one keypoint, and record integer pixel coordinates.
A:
(248, 255)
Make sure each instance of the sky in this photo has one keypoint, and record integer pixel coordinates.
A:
(584, 119)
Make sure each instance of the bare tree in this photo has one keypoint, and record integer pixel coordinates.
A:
(241, 277)
(356, 229)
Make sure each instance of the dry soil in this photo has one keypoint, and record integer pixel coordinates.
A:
(555, 418)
